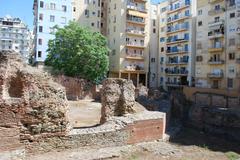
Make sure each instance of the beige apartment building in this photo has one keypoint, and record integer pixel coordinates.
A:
(87, 13)
(128, 38)
(218, 39)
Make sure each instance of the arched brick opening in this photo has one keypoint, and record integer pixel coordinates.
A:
(15, 89)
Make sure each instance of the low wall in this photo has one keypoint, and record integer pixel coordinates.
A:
(141, 127)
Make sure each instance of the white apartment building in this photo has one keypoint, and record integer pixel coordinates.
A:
(15, 35)
(48, 14)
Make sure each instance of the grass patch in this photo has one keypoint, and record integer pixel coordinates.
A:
(232, 156)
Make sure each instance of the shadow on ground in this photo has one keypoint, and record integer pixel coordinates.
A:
(189, 136)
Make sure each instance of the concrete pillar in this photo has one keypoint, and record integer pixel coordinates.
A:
(119, 75)
(129, 76)
(146, 79)
(137, 79)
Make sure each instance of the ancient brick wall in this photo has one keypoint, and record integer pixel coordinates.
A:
(76, 88)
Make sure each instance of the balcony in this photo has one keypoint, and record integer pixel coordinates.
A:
(176, 72)
(133, 56)
(135, 20)
(216, 11)
(216, 23)
(175, 30)
(134, 68)
(133, 6)
(133, 32)
(216, 49)
(214, 1)
(215, 62)
(173, 20)
(173, 52)
(181, 7)
(178, 40)
(215, 75)
(135, 45)
(212, 35)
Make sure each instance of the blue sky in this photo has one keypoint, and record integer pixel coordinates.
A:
(23, 9)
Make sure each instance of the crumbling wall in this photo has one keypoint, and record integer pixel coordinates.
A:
(30, 101)
(118, 98)
(77, 88)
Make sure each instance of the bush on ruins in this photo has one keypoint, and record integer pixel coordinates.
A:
(79, 52)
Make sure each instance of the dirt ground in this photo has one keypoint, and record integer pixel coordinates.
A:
(84, 113)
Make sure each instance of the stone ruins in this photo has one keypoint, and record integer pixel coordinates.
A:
(34, 114)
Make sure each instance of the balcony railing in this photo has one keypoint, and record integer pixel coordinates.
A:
(132, 31)
(135, 44)
(175, 19)
(216, 61)
(173, 29)
(214, 1)
(216, 23)
(136, 19)
(215, 34)
(176, 72)
(134, 68)
(182, 6)
(215, 75)
(178, 51)
(216, 11)
(133, 6)
(215, 48)
(176, 40)
(134, 56)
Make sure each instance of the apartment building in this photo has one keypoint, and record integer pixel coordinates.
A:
(177, 33)
(15, 35)
(153, 46)
(162, 46)
(87, 13)
(48, 14)
(128, 38)
(218, 39)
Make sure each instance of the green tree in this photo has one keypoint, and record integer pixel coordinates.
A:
(79, 52)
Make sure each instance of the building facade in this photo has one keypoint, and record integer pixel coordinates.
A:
(177, 33)
(218, 38)
(88, 13)
(128, 38)
(48, 14)
(15, 35)
(153, 46)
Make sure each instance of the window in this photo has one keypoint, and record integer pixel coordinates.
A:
(40, 41)
(199, 45)
(74, 9)
(231, 56)
(41, 4)
(52, 18)
(217, 7)
(200, 23)
(63, 20)
(64, 8)
(162, 49)
(232, 15)
(86, 13)
(40, 29)
(153, 60)
(199, 58)
(52, 6)
(41, 16)
(199, 12)
(232, 42)
(92, 24)
(154, 22)
(162, 39)
(39, 54)
(230, 83)
(163, 9)
(154, 30)
(231, 3)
